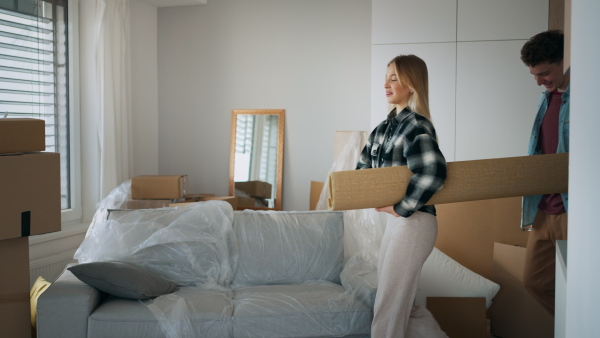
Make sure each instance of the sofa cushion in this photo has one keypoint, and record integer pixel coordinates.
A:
(123, 279)
(312, 309)
(206, 313)
(288, 247)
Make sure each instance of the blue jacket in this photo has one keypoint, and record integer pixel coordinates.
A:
(530, 203)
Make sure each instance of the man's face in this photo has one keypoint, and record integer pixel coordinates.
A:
(550, 75)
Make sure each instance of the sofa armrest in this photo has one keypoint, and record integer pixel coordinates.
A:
(360, 279)
(63, 309)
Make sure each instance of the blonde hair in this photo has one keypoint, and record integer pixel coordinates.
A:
(412, 72)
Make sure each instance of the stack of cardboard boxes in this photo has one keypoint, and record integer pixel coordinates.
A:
(485, 236)
(29, 205)
(158, 191)
(258, 191)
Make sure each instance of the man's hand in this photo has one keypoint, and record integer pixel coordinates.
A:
(389, 209)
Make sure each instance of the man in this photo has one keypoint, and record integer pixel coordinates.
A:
(546, 214)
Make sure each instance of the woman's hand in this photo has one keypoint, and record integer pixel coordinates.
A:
(389, 209)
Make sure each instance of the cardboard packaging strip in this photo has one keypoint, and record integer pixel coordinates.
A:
(22, 135)
(466, 181)
(30, 198)
(158, 187)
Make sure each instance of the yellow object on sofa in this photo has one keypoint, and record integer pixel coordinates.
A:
(37, 289)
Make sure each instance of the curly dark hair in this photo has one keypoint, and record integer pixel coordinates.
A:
(547, 46)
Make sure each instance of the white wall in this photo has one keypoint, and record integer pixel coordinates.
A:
(309, 57)
(144, 87)
(483, 100)
(583, 294)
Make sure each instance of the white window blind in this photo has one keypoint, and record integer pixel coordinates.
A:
(34, 72)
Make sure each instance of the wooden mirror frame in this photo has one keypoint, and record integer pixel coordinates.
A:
(279, 164)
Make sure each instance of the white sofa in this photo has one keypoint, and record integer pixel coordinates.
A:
(267, 274)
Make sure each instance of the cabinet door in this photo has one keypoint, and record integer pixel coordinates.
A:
(408, 21)
(441, 65)
(496, 100)
(501, 20)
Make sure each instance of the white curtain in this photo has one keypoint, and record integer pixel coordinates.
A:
(114, 85)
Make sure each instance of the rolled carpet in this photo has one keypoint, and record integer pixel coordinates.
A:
(466, 181)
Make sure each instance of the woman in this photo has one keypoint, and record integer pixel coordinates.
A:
(406, 137)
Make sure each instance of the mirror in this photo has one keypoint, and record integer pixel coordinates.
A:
(256, 158)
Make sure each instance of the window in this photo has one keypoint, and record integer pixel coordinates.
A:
(34, 74)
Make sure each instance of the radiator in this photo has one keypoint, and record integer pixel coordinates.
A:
(50, 267)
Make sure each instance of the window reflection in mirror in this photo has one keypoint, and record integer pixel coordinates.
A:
(256, 158)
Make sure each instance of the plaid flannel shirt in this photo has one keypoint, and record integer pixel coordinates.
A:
(408, 139)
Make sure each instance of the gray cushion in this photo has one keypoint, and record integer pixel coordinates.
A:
(288, 247)
(123, 279)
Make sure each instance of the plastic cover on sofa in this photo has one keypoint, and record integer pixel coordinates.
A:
(286, 284)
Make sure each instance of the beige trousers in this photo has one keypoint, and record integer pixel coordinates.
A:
(406, 244)
(540, 257)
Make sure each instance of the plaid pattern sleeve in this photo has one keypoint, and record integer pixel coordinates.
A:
(425, 161)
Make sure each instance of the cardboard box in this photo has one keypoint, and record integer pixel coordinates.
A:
(515, 313)
(315, 193)
(30, 198)
(461, 317)
(15, 310)
(149, 204)
(22, 135)
(255, 188)
(233, 200)
(467, 231)
(158, 187)
(246, 201)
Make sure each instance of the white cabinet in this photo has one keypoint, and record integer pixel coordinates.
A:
(483, 99)
(408, 21)
(500, 20)
(496, 100)
(441, 60)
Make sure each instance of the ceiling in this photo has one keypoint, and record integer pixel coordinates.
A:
(173, 3)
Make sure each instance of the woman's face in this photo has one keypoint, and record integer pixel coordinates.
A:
(395, 92)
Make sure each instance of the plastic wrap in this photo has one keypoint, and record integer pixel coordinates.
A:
(177, 312)
(116, 199)
(241, 274)
(288, 247)
(191, 245)
(311, 309)
(363, 228)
